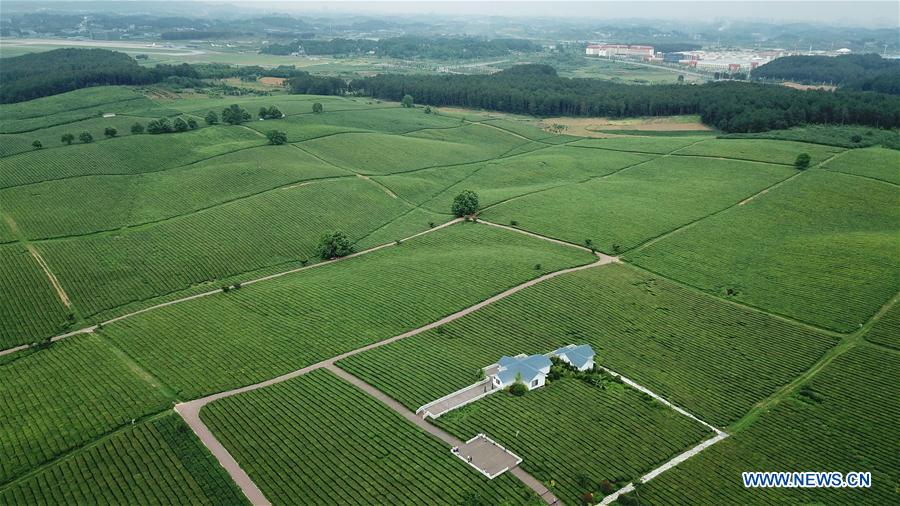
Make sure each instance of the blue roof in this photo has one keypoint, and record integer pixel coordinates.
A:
(528, 367)
(578, 356)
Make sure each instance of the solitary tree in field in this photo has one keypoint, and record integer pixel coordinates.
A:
(407, 101)
(276, 138)
(86, 137)
(465, 204)
(110, 132)
(317, 107)
(333, 245)
(67, 138)
(37, 144)
(680, 78)
(180, 125)
(235, 115)
(802, 161)
(212, 118)
(192, 123)
(427, 109)
(137, 128)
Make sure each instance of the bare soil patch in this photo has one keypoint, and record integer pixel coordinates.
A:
(596, 127)
(798, 86)
(273, 81)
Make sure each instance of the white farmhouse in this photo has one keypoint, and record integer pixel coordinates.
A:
(531, 370)
(580, 357)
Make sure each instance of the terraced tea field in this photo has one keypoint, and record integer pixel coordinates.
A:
(352, 448)
(850, 407)
(578, 435)
(750, 295)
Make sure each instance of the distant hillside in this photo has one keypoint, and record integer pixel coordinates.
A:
(41, 74)
(866, 72)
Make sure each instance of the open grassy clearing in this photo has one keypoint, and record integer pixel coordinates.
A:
(155, 462)
(29, 307)
(375, 154)
(626, 209)
(316, 440)
(60, 398)
(886, 331)
(821, 248)
(265, 330)
(658, 145)
(576, 435)
(133, 154)
(396, 120)
(877, 163)
(499, 180)
(96, 203)
(700, 353)
(784, 152)
(844, 420)
(106, 270)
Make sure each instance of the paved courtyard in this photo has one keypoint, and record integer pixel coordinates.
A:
(484, 454)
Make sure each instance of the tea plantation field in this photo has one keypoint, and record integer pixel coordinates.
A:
(757, 296)
(577, 435)
(697, 351)
(265, 330)
(843, 420)
(822, 249)
(349, 448)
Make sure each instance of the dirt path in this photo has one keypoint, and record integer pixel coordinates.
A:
(190, 411)
(60, 292)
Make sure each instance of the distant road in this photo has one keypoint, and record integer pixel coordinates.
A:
(115, 44)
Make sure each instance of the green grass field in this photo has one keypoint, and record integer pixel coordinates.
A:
(630, 207)
(154, 462)
(265, 330)
(698, 352)
(876, 163)
(316, 439)
(576, 435)
(821, 248)
(61, 398)
(843, 420)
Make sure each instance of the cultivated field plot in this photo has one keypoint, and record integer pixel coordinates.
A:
(708, 356)
(784, 152)
(886, 331)
(318, 440)
(415, 221)
(131, 154)
(877, 163)
(657, 145)
(530, 129)
(504, 179)
(264, 330)
(117, 201)
(155, 462)
(104, 271)
(569, 432)
(821, 248)
(844, 420)
(630, 207)
(62, 397)
(50, 137)
(289, 105)
(380, 118)
(71, 107)
(374, 154)
(29, 307)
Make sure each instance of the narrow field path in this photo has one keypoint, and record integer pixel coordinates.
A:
(87, 330)
(190, 411)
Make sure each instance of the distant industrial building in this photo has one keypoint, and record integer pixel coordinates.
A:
(620, 50)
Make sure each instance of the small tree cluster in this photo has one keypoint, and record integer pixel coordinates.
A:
(276, 137)
(518, 389)
(86, 137)
(235, 115)
(317, 107)
(37, 144)
(802, 161)
(334, 245)
(465, 204)
(67, 138)
(270, 113)
(212, 118)
(137, 129)
(407, 101)
(110, 132)
(162, 125)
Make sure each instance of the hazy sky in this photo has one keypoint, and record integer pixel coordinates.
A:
(865, 13)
